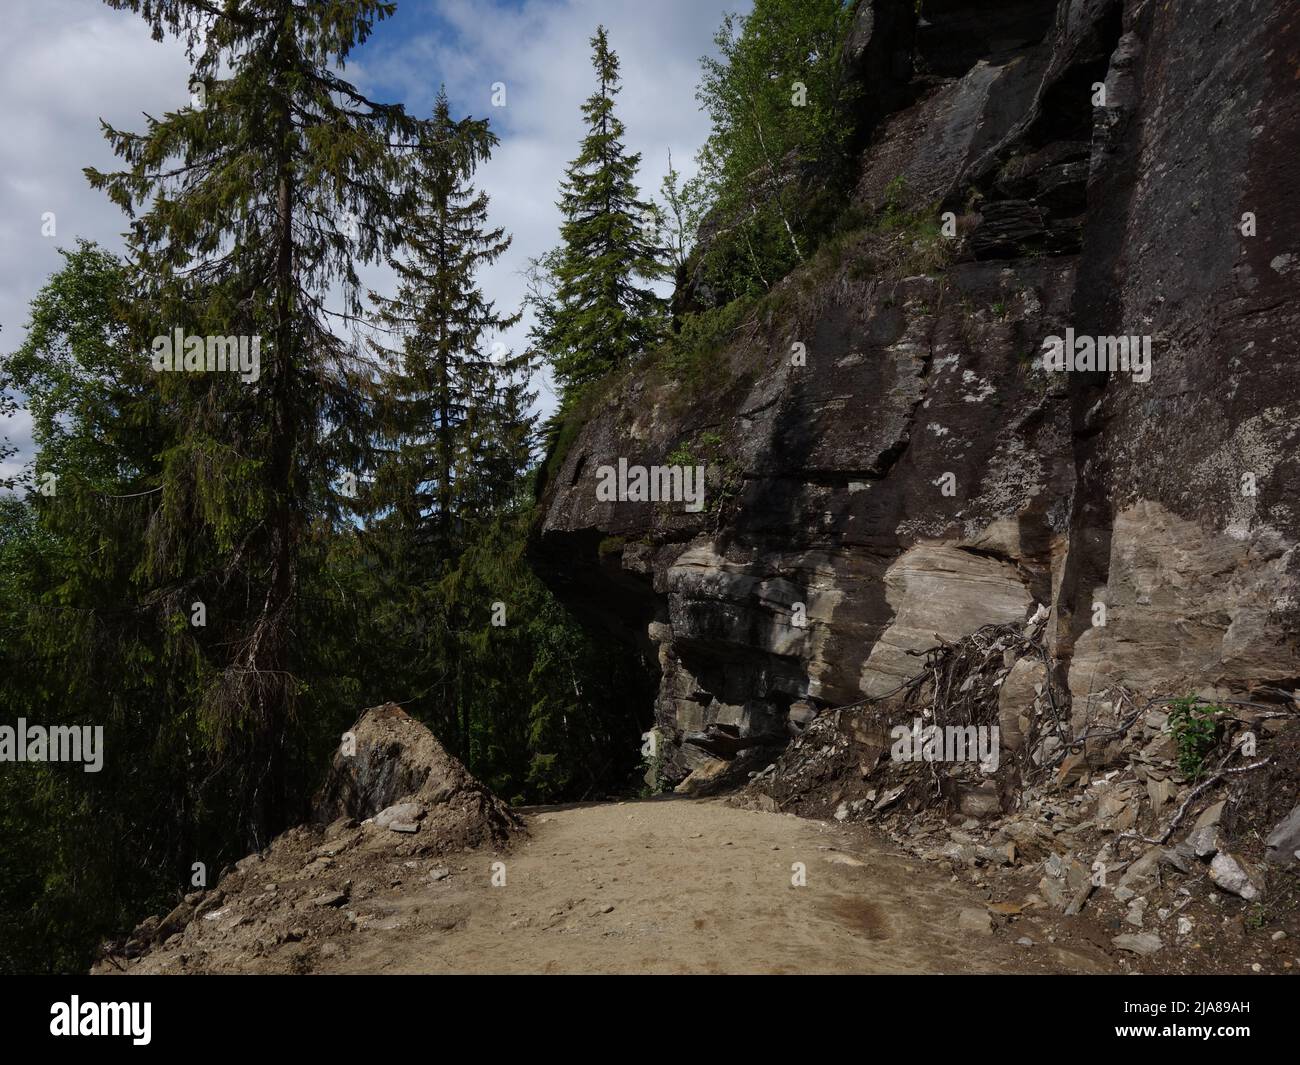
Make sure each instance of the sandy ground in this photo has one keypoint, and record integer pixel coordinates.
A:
(682, 886)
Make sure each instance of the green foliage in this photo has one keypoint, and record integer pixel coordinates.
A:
(680, 209)
(691, 352)
(177, 488)
(248, 215)
(452, 434)
(651, 773)
(538, 708)
(781, 112)
(895, 194)
(1196, 729)
(682, 455)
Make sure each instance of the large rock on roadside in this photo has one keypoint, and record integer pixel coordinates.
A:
(395, 760)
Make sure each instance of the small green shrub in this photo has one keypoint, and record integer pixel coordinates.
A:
(1196, 730)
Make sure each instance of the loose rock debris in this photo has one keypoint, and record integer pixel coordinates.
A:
(1086, 819)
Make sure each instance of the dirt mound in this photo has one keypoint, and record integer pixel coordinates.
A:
(394, 808)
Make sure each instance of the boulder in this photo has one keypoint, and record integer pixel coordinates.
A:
(393, 769)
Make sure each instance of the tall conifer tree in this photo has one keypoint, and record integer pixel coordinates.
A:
(453, 404)
(604, 310)
(248, 208)
(454, 434)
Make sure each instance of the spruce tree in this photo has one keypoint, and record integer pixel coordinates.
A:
(604, 311)
(454, 432)
(248, 208)
(452, 406)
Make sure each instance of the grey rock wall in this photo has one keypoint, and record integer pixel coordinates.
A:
(922, 474)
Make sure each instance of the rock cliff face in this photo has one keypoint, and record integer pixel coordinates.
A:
(887, 459)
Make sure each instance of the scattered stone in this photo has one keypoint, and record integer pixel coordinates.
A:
(1143, 943)
(973, 920)
(1055, 893)
(1159, 792)
(1212, 815)
(1179, 857)
(1142, 876)
(1204, 842)
(1003, 855)
(330, 898)
(399, 814)
(1136, 909)
(175, 921)
(1234, 876)
(889, 798)
(211, 902)
(1074, 767)
(245, 865)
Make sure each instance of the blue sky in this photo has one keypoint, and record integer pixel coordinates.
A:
(67, 63)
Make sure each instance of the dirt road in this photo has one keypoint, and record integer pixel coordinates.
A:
(684, 886)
